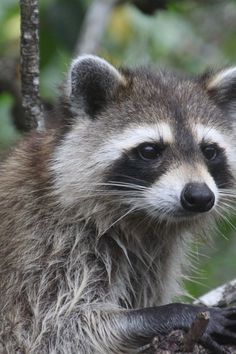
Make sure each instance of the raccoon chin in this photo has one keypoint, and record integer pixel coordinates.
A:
(179, 215)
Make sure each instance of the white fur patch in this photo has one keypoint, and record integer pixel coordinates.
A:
(222, 77)
(211, 135)
(132, 137)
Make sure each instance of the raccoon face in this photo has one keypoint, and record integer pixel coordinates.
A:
(148, 142)
(175, 174)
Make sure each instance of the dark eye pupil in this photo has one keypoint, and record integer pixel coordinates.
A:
(149, 151)
(210, 152)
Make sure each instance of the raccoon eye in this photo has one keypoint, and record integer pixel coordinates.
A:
(149, 151)
(210, 152)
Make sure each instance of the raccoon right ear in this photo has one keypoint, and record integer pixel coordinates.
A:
(221, 87)
(92, 83)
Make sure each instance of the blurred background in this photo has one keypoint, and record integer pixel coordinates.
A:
(190, 36)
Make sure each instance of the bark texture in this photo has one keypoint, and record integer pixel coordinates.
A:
(30, 64)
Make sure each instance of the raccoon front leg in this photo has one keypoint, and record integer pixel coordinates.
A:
(142, 325)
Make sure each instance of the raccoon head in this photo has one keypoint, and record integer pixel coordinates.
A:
(145, 142)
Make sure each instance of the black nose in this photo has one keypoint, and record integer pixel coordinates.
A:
(197, 197)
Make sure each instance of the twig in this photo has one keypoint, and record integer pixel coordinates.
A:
(196, 331)
(30, 63)
(94, 26)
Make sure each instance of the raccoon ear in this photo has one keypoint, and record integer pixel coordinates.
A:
(92, 83)
(221, 87)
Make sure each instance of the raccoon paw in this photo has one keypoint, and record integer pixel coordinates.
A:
(221, 330)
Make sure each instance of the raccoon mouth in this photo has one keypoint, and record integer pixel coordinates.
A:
(181, 214)
(189, 214)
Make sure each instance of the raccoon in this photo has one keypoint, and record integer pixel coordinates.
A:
(96, 216)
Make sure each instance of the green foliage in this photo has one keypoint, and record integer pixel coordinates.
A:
(216, 263)
(9, 26)
(190, 36)
(60, 25)
(8, 134)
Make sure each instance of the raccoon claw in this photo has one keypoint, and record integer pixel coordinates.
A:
(230, 313)
(208, 343)
(221, 329)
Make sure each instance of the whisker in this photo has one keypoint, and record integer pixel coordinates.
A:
(116, 221)
(228, 206)
(132, 178)
(225, 218)
(217, 229)
(124, 184)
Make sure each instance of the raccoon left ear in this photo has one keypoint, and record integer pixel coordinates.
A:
(221, 87)
(92, 83)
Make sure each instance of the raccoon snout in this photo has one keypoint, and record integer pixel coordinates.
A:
(197, 197)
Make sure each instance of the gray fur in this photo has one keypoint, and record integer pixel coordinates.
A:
(75, 257)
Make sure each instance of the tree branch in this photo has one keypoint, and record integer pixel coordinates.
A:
(30, 64)
(97, 17)
(196, 331)
(178, 341)
(222, 296)
(94, 26)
